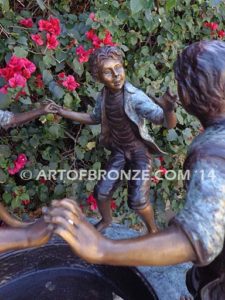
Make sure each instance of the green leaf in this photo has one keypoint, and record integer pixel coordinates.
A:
(68, 100)
(5, 101)
(7, 197)
(20, 52)
(136, 5)
(5, 151)
(4, 5)
(56, 90)
(59, 190)
(41, 4)
(172, 135)
(77, 67)
(26, 100)
(47, 76)
(3, 176)
(170, 4)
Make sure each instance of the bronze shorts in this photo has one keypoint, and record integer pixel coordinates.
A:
(137, 165)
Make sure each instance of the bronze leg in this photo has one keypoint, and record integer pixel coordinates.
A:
(147, 214)
(105, 211)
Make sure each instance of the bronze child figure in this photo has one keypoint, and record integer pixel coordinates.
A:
(121, 109)
(22, 235)
(197, 233)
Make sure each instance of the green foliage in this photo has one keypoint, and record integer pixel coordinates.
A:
(150, 38)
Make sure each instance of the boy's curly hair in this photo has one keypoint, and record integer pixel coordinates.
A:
(200, 71)
(101, 54)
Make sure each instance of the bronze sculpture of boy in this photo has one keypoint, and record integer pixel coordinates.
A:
(121, 109)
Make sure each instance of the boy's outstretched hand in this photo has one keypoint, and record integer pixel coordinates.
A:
(167, 101)
(50, 108)
(38, 233)
(70, 224)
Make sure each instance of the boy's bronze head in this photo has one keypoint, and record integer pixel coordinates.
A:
(106, 66)
(200, 73)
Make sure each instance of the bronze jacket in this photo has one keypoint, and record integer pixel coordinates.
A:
(138, 107)
(5, 118)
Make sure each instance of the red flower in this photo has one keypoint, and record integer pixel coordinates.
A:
(83, 54)
(161, 158)
(42, 180)
(113, 205)
(61, 75)
(214, 26)
(92, 17)
(92, 202)
(25, 202)
(26, 22)
(163, 170)
(52, 42)
(6, 73)
(211, 25)
(37, 39)
(108, 39)
(154, 179)
(39, 82)
(70, 83)
(221, 33)
(52, 26)
(19, 164)
(17, 80)
(96, 41)
(22, 159)
(4, 89)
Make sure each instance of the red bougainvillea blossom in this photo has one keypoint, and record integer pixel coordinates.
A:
(37, 38)
(92, 202)
(25, 202)
(52, 42)
(154, 179)
(28, 23)
(214, 27)
(108, 39)
(16, 73)
(163, 170)
(39, 82)
(221, 33)
(52, 26)
(211, 25)
(69, 82)
(92, 17)
(83, 55)
(113, 205)
(19, 164)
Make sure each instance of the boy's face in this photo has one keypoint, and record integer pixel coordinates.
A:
(112, 74)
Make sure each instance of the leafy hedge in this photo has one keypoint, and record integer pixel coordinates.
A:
(151, 37)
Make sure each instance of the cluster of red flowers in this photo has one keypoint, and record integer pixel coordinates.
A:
(83, 55)
(69, 82)
(16, 73)
(93, 203)
(52, 27)
(214, 27)
(19, 164)
(161, 170)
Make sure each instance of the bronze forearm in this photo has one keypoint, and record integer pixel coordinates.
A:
(167, 247)
(82, 118)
